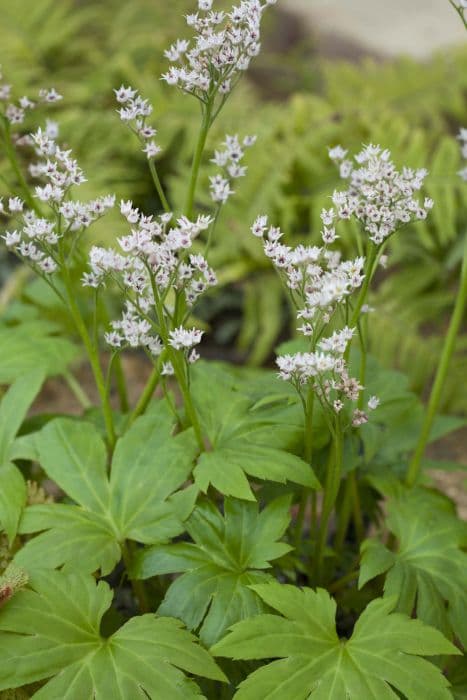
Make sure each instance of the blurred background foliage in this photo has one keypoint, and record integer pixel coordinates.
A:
(298, 104)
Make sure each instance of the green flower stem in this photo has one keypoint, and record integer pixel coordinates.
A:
(345, 512)
(121, 384)
(415, 464)
(369, 271)
(340, 583)
(93, 355)
(180, 374)
(300, 519)
(331, 489)
(212, 228)
(11, 155)
(356, 506)
(309, 425)
(460, 12)
(308, 452)
(197, 157)
(116, 362)
(178, 365)
(158, 186)
(138, 587)
(77, 390)
(148, 392)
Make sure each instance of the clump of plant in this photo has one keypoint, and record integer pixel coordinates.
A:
(236, 533)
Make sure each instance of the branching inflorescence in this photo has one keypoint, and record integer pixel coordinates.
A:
(198, 463)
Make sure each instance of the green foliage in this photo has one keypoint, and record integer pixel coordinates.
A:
(52, 630)
(386, 442)
(134, 503)
(226, 558)
(382, 654)
(243, 441)
(427, 571)
(49, 353)
(13, 408)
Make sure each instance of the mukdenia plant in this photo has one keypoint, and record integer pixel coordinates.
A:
(230, 533)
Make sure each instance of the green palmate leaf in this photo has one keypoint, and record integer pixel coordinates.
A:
(382, 654)
(428, 571)
(244, 441)
(13, 409)
(391, 435)
(228, 555)
(135, 502)
(52, 631)
(12, 498)
(20, 355)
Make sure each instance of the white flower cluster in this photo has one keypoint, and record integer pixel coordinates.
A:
(326, 370)
(317, 277)
(221, 50)
(134, 112)
(229, 160)
(37, 236)
(463, 139)
(15, 112)
(154, 259)
(319, 283)
(380, 197)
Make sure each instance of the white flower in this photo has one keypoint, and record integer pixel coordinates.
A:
(260, 226)
(337, 153)
(373, 403)
(48, 265)
(327, 216)
(152, 149)
(15, 205)
(359, 418)
(11, 238)
(167, 369)
(181, 338)
(209, 64)
(50, 95)
(123, 94)
(5, 91)
(378, 196)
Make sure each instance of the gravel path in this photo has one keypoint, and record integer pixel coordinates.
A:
(384, 27)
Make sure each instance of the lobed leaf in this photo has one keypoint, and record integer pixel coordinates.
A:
(245, 440)
(383, 653)
(13, 409)
(429, 569)
(52, 631)
(228, 555)
(139, 501)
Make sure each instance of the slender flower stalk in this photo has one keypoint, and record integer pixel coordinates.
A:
(308, 454)
(460, 7)
(331, 490)
(415, 464)
(197, 158)
(12, 157)
(148, 391)
(94, 360)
